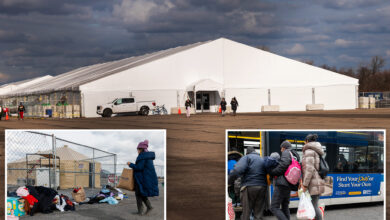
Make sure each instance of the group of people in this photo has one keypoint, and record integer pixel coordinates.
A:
(21, 110)
(223, 104)
(233, 103)
(253, 170)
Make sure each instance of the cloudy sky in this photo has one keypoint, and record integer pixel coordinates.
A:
(120, 142)
(39, 37)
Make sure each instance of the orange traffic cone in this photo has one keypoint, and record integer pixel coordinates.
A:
(6, 116)
(179, 112)
(220, 109)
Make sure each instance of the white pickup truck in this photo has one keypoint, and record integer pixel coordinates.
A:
(125, 106)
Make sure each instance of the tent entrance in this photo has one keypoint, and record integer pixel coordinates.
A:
(203, 101)
(207, 101)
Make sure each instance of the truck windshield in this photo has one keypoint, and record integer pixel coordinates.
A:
(113, 101)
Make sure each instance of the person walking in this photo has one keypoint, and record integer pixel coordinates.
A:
(21, 110)
(312, 181)
(145, 178)
(251, 169)
(234, 105)
(223, 106)
(188, 105)
(282, 189)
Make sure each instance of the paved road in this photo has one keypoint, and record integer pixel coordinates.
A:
(357, 212)
(196, 148)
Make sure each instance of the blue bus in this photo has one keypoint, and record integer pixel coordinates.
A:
(356, 160)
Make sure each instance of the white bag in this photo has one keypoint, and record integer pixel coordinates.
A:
(305, 207)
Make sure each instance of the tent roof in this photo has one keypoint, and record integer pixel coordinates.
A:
(10, 87)
(64, 153)
(73, 79)
(269, 70)
(205, 85)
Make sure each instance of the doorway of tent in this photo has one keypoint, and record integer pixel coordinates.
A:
(207, 101)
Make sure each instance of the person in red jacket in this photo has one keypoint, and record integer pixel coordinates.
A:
(21, 110)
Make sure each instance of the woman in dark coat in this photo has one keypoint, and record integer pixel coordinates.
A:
(145, 177)
(223, 106)
(234, 105)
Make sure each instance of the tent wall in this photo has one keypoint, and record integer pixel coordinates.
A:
(291, 99)
(249, 100)
(336, 97)
(91, 99)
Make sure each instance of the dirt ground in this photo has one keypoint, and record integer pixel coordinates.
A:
(196, 147)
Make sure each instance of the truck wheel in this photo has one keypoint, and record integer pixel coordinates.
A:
(107, 113)
(144, 111)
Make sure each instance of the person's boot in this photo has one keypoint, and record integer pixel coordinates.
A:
(140, 208)
(148, 207)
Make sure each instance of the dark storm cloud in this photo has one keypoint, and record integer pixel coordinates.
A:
(39, 37)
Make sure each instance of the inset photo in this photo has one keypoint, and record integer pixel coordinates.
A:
(305, 174)
(85, 174)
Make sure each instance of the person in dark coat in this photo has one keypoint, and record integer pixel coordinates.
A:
(145, 177)
(282, 189)
(234, 105)
(252, 171)
(21, 110)
(188, 105)
(223, 106)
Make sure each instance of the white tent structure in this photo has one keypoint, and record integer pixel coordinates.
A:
(10, 87)
(205, 72)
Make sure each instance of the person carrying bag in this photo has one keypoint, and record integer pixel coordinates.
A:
(312, 181)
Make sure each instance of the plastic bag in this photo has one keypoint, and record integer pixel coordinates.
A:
(322, 208)
(231, 213)
(305, 207)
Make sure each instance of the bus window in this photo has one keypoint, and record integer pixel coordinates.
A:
(359, 159)
(375, 159)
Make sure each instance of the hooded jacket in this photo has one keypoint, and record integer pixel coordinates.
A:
(310, 166)
(251, 168)
(145, 175)
(281, 168)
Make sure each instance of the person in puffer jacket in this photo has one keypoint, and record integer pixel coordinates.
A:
(310, 165)
(282, 190)
(253, 184)
(145, 177)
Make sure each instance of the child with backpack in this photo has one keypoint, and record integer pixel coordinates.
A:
(313, 172)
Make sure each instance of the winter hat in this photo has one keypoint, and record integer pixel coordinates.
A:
(22, 191)
(285, 144)
(250, 150)
(275, 156)
(143, 145)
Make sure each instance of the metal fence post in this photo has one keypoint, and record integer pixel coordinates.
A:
(114, 170)
(55, 161)
(93, 168)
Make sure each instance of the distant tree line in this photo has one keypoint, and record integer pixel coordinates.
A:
(372, 77)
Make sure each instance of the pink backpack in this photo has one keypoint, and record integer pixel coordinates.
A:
(293, 172)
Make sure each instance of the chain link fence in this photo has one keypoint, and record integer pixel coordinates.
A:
(39, 159)
(382, 99)
(62, 104)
